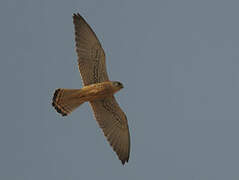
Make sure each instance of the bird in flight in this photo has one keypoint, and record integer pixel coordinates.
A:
(97, 89)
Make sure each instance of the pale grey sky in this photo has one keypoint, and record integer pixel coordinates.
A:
(178, 61)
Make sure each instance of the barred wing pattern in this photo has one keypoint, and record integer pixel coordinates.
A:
(91, 56)
(91, 60)
(114, 124)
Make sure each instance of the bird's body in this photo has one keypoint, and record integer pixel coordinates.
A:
(98, 90)
(66, 100)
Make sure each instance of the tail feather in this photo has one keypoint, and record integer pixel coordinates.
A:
(66, 100)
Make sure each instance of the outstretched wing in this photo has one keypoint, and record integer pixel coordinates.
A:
(114, 124)
(91, 56)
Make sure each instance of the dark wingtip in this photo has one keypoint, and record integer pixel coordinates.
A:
(54, 104)
(76, 15)
(123, 161)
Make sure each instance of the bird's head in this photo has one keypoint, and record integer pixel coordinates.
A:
(117, 85)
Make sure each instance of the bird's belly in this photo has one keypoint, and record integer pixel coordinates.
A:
(95, 92)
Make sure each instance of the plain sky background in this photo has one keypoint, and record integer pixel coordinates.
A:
(178, 61)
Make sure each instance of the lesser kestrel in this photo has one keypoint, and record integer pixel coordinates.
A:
(98, 90)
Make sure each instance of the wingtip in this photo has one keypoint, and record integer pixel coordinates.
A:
(124, 161)
(77, 15)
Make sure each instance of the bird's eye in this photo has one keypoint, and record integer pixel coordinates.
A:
(117, 83)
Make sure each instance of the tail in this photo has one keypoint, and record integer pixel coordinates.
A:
(66, 100)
